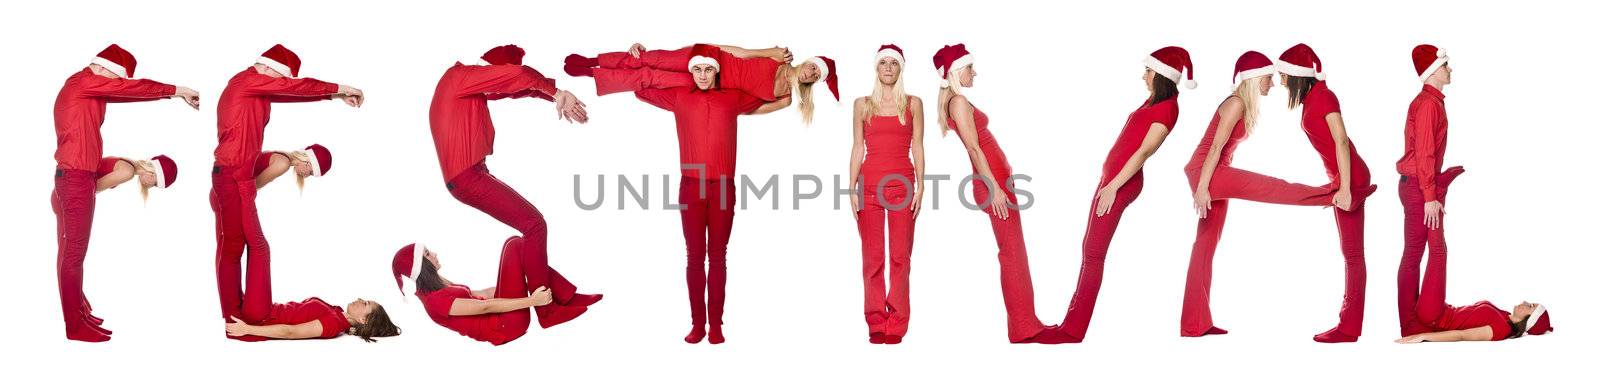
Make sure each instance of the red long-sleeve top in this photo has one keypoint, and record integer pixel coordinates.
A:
(1426, 130)
(463, 133)
(245, 107)
(708, 126)
(81, 109)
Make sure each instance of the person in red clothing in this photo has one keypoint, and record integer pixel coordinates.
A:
(1422, 186)
(260, 319)
(498, 314)
(1122, 175)
(1437, 321)
(242, 115)
(991, 173)
(886, 167)
(313, 161)
(707, 117)
(1215, 181)
(463, 136)
(80, 110)
(158, 172)
(1301, 73)
(763, 73)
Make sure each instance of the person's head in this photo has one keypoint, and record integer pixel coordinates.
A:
(113, 62)
(278, 62)
(804, 80)
(159, 172)
(1299, 69)
(889, 88)
(368, 319)
(313, 161)
(1160, 87)
(416, 270)
(1164, 68)
(1529, 318)
(704, 70)
(1252, 79)
(508, 54)
(955, 67)
(1433, 66)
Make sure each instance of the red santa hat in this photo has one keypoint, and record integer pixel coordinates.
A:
(827, 73)
(1541, 321)
(166, 170)
(891, 51)
(1427, 60)
(1251, 64)
(282, 60)
(320, 158)
(704, 54)
(949, 59)
(1172, 62)
(508, 54)
(406, 265)
(117, 60)
(1301, 61)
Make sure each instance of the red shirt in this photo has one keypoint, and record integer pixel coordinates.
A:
(755, 76)
(1426, 130)
(312, 309)
(990, 147)
(1198, 160)
(888, 146)
(708, 126)
(106, 166)
(245, 107)
(485, 327)
(265, 160)
(81, 109)
(1314, 121)
(463, 134)
(1133, 133)
(1472, 316)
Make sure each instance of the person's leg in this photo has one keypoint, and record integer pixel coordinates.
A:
(870, 224)
(719, 228)
(1352, 244)
(1430, 305)
(610, 81)
(479, 189)
(512, 282)
(1233, 183)
(230, 243)
(691, 193)
(676, 60)
(74, 196)
(1096, 242)
(1416, 240)
(258, 261)
(1016, 281)
(902, 233)
(1196, 318)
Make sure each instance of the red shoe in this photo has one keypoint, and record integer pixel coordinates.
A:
(891, 339)
(583, 300)
(1333, 336)
(86, 334)
(695, 334)
(579, 66)
(715, 336)
(875, 338)
(552, 315)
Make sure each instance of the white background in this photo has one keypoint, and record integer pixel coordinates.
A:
(1057, 81)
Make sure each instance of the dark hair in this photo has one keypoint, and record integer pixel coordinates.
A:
(428, 279)
(377, 325)
(1517, 328)
(1299, 87)
(1161, 89)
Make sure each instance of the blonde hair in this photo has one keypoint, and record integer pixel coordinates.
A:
(803, 91)
(305, 157)
(896, 94)
(1249, 94)
(144, 165)
(951, 88)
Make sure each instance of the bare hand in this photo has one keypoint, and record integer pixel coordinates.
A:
(351, 96)
(1413, 339)
(189, 96)
(1103, 201)
(916, 202)
(1341, 199)
(1433, 214)
(999, 205)
(786, 57)
(569, 108)
(237, 328)
(1202, 201)
(541, 296)
(855, 203)
(636, 50)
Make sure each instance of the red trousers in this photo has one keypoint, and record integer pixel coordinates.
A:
(478, 188)
(73, 203)
(1096, 242)
(1352, 242)
(620, 72)
(1016, 281)
(887, 312)
(239, 234)
(1418, 238)
(523, 269)
(1230, 183)
(707, 223)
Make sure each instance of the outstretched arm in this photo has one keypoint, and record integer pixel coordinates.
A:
(1482, 333)
(307, 330)
(468, 306)
(775, 53)
(772, 106)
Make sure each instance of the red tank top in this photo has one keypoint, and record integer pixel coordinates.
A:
(1198, 160)
(888, 143)
(1475, 315)
(986, 142)
(755, 76)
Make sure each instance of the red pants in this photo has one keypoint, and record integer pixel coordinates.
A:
(887, 312)
(1096, 242)
(73, 203)
(239, 234)
(478, 188)
(1016, 281)
(522, 269)
(620, 72)
(1231, 183)
(1429, 305)
(707, 223)
(1352, 242)
(1417, 238)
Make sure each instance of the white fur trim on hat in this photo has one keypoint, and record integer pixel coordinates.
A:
(1437, 63)
(955, 66)
(408, 284)
(275, 65)
(703, 60)
(1533, 318)
(1300, 71)
(822, 67)
(890, 53)
(115, 68)
(316, 165)
(1168, 71)
(160, 172)
(1252, 73)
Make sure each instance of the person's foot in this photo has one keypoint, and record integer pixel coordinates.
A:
(1053, 335)
(86, 334)
(891, 339)
(1215, 331)
(579, 66)
(101, 330)
(552, 315)
(715, 336)
(695, 334)
(1333, 336)
(875, 338)
(583, 300)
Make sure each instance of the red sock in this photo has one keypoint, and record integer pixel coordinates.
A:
(579, 66)
(875, 338)
(695, 334)
(891, 339)
(716, 335)
(551, 315)
(1216, 331)
(583, 300)
(1333, 336)
(86, 334)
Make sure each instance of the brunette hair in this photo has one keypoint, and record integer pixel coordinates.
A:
(1161, 89)
(378, 325)
(428, 279)
(1299, 87)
